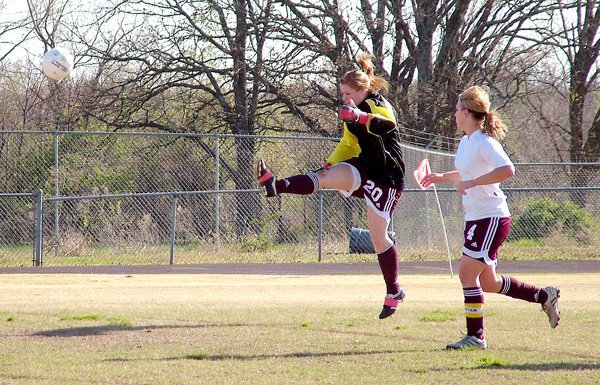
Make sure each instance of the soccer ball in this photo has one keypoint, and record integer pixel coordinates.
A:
(57, 63)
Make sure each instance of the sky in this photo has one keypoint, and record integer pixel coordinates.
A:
(9, 11)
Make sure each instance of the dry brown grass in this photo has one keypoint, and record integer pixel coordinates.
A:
(231, 329)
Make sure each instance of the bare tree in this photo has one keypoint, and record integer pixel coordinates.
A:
(181, 65)
(30, 104)
(47, 19)
(582, 51)
(243, 61)
(13, 32)
(429, 50)
(569, 74)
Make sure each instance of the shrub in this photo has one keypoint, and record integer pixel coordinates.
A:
(543, 216)
(575, 220)
(261, 241)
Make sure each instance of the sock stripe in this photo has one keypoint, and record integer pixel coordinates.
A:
(473, 292)
(505, 285)
(315, 181)
(474, 304)
(474, 310)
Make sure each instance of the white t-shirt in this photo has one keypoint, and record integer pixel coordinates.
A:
(477, 155)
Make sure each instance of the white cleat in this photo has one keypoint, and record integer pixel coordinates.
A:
(550, 307)
(468, 342)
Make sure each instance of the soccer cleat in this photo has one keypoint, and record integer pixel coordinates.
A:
(390, 304)
(266, 179)
(468, 342)
(550, 307)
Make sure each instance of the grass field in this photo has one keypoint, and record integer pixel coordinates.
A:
(232, 329)
(303, 252)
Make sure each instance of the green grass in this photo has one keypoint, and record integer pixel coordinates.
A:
(280, 253)
(83, 317)
(440, 315)
(221, 329)
(486, 362)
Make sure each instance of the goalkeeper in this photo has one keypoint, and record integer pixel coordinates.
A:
(367, 163)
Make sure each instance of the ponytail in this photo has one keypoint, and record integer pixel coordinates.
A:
(365, 61)
(493, 126)
(365, 78)
(477, 100)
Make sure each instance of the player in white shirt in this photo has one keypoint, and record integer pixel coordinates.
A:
(481, 164)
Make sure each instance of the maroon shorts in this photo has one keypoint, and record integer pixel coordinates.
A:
(380, 197)
(483, 238)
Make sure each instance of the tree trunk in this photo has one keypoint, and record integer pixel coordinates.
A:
(246, 206)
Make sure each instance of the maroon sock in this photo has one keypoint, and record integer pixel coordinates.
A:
(388, 262)
(474, 310)
(298, 184)
(516, 289)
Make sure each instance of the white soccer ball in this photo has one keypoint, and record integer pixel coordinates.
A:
(57, 63)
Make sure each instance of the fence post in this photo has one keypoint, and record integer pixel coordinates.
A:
(37, 249)
(217, 188)
(56, 190)
(320, 225)
(173, 228)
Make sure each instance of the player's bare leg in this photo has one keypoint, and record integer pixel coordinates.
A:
(512, 287)
(387, 256)
(339, 177)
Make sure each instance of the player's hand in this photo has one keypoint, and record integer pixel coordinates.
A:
(464, 185)
(352, 114)
(432, 178)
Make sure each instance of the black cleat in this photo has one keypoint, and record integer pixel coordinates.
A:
(266, 179)
(391, 303)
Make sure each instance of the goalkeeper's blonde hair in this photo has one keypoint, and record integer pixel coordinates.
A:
(365, 78)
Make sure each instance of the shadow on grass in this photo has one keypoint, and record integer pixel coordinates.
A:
(529, 367)
(548, 366)
(83, 331)
(544, 367)
(253, 357)
(96, 330)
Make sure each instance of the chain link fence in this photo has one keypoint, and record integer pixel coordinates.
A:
(159, 198)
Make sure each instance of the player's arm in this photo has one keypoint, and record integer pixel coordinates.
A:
(491, 151)
(381, 119)
(375, 118)
(446, 177)
(379, 124)
(450, 177)
(497, 175)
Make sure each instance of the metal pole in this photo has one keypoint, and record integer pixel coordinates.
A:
(56, 190)
(320, 226)
(217, 196)
(428, 217)
(439, 205)
(427, 222)
(173, 228)
(437, 198)
(37, 249)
